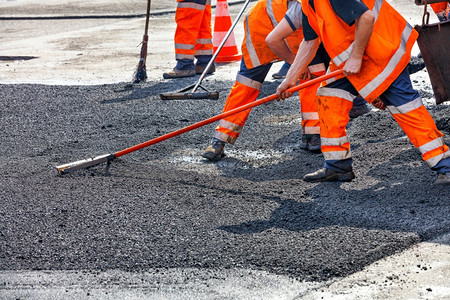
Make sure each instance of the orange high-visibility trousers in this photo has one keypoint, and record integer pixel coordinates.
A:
(193, 35)
(246, 90)
(405, 105)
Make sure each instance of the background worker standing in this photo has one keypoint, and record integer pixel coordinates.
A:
(272, 32)
(371, 42)
(442, 10)
(193, 38)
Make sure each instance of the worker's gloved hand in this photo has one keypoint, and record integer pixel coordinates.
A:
(378, 103)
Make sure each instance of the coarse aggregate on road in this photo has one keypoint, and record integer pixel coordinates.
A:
(163, 223)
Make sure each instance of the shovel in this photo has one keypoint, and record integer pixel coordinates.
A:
(107, 158)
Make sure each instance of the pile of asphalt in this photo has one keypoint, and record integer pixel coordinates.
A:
(165, 207)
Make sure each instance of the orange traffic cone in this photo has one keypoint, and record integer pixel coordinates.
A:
(222, 24)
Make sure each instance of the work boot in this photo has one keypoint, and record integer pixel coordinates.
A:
(282, 72)
(314, 143)
(443, 179)
(199, 69)
(310, 142)
(176, 73)
(325, 175)
(359, 110)
(215, 150)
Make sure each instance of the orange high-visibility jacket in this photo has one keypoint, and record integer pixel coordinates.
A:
(264, 16)
(388, 50)
(440, 6)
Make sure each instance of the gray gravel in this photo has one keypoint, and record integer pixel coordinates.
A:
(164, 207)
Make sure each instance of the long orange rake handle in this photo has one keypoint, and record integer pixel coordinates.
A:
(66, 168)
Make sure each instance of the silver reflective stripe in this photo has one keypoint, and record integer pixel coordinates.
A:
(317, 68)
(270, 13)
(204, 41)
(208, 2)
(184, 46)
(250, 48)
(311, 130)
(224, 137)
(191, 5)
(184, 56)
(344, 55)
(231, 126)
(204, 52)
(249, 82)
(310, 116)
(435, 160)
(395, 59)
(337, 155)
(333, 92)
(436, 143)
(334, 141)
(405, 108)
(376, 8)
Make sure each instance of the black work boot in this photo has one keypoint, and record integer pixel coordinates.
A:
(314, 143)
(215, 150)
(310, 142)
(443, 179)
(324, 175)
(199, 69)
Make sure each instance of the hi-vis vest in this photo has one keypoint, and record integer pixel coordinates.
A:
(386, 55)
(263, 18)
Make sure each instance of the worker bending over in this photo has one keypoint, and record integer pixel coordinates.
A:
(279, 23)
(371, 42)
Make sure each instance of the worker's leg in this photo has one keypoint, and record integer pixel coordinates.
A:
(405, 105)
(188, 16)
(204, 45)
(245, 90)
(310, 139)
(335, 101)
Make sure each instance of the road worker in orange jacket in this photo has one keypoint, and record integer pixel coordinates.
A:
(276, 23)
(193, 38)
(442, 10)
(371, 42)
